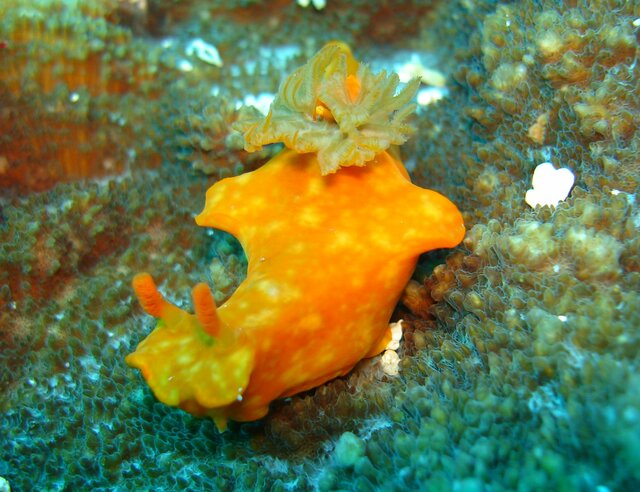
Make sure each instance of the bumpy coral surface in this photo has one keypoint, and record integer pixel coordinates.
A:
(68, 79)
(519, 359)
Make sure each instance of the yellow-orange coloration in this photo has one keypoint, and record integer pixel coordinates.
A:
(328, 257)
(330, 249)
(353, 87)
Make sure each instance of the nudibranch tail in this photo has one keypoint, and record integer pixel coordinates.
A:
(205, 308)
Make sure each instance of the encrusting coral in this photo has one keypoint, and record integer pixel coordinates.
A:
(520, 352)
(329, 256)
(202, 135)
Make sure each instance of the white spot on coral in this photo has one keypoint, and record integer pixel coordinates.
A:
(546, 398)
(390, 362)
(631, 199)
(204, 51)
(167, 43)
(415, 68)
(185, 66)
(396, 336)
(4, 485)
(429, 95)
(550, 186)
(317, 4)
(262, 102)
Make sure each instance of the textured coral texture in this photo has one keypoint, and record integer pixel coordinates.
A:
(519, 358)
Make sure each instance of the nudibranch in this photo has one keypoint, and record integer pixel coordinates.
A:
(332, 228)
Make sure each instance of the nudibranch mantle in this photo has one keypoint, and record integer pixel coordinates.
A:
(328, 258)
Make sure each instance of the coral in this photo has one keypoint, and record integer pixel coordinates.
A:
(68, 82)
(337, 108)
(349, 449)
(355, 21)
(549, 185)
(519, 358)
(202, 136)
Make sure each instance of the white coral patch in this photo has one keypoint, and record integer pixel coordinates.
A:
(550, 186)
(4, 485)
(317, 4)
(390, 362)
(396, 336)
(204, 51)
(262, 102)
(415, 68)
(430, 95)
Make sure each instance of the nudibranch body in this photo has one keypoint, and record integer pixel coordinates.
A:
(328, 258)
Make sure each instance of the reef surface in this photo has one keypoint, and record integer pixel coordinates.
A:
(519, 360)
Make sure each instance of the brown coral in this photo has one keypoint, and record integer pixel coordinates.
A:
(69, 82)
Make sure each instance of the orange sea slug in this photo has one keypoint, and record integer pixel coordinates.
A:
(331, 243)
